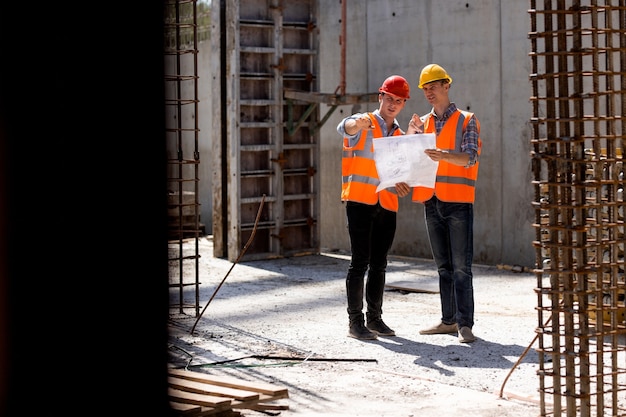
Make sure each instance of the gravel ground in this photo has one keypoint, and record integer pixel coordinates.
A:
(290, 314)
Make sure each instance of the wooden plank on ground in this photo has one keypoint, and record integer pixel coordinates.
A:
(225, 381)
(427, 285)
(185, 409)
(218, 403)
(203, 412)
(181, 411)
(211, 389)
(269, 407)
(254, 405)
(189, 410)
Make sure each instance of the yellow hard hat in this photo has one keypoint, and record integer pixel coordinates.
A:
(433, 72)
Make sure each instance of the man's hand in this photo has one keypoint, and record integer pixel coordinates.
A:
(416, 125)
(353, 126)
(436, 154)
(457, 158)
(403, 189)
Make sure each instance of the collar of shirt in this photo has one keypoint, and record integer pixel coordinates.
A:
(383, 124)
(446, 114)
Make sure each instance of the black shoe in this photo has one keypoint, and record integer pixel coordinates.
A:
(379, 327)
(359, 331)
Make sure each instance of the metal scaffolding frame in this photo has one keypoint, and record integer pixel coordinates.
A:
(578, 55)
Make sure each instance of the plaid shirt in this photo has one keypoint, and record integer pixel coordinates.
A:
(469, 144)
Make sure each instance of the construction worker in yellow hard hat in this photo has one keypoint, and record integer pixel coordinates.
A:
(371, 215)
(448, 207)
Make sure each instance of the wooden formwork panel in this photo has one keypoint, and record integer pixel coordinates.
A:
(267, 187)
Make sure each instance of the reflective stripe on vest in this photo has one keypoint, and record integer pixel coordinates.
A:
(455, 184)
(358, 170)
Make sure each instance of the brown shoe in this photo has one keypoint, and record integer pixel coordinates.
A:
(441, 328)
(466, 335)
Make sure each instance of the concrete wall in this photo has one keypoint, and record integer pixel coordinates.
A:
(208, 98)
(483, 44)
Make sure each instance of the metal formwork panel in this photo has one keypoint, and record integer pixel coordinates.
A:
(579, 91)
(270, 184)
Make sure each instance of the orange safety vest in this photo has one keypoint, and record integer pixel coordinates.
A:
(358, 170)
(455, 184)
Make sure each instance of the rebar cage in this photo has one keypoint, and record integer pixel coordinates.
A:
(578, 58)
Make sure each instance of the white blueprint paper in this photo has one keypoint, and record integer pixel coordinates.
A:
(402, 159)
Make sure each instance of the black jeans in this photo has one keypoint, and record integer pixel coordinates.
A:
(372, 229)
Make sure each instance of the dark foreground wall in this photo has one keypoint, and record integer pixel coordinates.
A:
(83, 295)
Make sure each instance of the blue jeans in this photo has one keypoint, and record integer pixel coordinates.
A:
(450, 230)
(372, 229)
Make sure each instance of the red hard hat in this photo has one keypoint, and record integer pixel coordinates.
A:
(396, 85)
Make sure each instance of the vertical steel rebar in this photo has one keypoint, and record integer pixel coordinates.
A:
(578, 63)
(182, 128)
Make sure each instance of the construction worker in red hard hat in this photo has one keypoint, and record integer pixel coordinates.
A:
(449, 206)
(371, 215)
